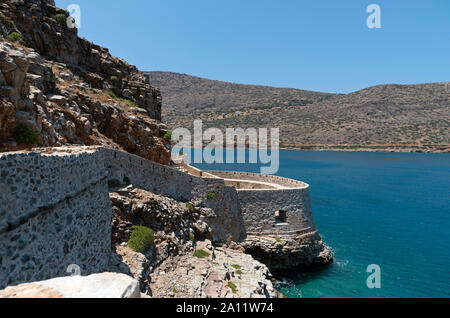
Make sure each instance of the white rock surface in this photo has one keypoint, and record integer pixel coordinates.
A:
(106, 285)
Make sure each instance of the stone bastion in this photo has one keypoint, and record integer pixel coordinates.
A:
(271, 205)
(55, 208)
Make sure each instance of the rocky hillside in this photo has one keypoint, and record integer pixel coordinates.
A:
(386, 117)
(58, 89)
(182, 263)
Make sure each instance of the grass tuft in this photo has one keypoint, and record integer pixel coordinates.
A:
(6, 21)
(233, 287)
(17, 37)
(114, 80)
(201, 254)
(141, 239)
(25, 135)
(168, 135)
(61, 19)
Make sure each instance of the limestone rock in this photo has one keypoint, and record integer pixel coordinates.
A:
(106, 285)
(74, 72)
(225, 274)
(290, 252)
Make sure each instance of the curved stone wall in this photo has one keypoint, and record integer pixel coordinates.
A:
(55, 208)
(280, 181)
(271, 205)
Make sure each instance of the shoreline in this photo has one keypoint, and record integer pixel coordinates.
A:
(368, 149)
(438, 149)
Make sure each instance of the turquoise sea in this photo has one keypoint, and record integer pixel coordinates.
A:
(388, 209)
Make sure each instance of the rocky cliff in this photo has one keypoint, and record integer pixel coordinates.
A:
(59, 89)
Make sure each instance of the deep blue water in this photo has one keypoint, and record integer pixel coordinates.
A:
(374, 208)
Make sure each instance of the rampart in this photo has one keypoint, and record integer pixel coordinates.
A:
(54, 211)
(55, 208)
(183, 187)
(271, 205)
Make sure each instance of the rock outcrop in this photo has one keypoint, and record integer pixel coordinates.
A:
(170, 268)
(106, 285)
(286, 253)
(66, 90)
(222, 273)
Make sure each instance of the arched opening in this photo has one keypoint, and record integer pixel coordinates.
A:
(280, 216)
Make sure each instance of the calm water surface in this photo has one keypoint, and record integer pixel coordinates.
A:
(374, 208)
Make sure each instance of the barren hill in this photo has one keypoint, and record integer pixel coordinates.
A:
(385, 117)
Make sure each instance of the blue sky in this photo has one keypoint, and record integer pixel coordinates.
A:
(321, 45)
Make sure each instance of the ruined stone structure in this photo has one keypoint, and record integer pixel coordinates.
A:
(55, 209)
(271, 205)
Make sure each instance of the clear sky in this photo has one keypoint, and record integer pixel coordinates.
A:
(321, 45)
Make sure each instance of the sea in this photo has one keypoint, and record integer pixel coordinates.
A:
(382, 214)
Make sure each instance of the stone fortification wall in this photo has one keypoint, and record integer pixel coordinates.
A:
(181, 186)
(54, 212)
(272, 205)
(55, 208)
(279, 181)
(261, 210)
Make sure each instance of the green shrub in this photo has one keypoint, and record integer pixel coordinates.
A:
(6, 21)
(114, 79)
(278, 240)
(190, 207)
(141, 239)
(129, 102)
(210, 196)
(191, 237)
(239, 272)
(233, 287)
(16, 37)
(25, 135)
(61, 19)
(175, 291)
(111, 94)
(201, 254)
(126, 180)
(168, 135)
(235, 266)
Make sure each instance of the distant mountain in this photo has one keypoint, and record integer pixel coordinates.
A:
(385, 117)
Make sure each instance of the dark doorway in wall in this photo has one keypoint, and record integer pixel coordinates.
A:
(281, 217)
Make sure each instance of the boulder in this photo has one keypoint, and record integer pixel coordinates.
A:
(106, 285)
